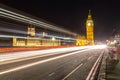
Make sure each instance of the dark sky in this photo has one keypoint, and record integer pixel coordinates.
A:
(72, 14)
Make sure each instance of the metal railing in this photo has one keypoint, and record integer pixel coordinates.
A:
(93, 74)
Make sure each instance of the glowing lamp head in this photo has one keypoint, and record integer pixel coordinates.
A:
(53, 38)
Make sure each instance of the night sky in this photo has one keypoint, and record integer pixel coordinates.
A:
(72, 14)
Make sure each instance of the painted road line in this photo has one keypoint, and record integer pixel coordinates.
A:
(90, 57)
(72, 71)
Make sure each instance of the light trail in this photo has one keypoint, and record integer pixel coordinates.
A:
(99, 46)
(17, 55)
(37, 38)
(37, 34)
(15, 16)
(39, 62)
(12, 30)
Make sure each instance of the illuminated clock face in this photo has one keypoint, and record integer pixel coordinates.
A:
(89, 24)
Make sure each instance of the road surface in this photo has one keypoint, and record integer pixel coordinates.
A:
(70, 65)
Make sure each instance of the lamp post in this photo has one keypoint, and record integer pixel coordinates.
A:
(53, 39)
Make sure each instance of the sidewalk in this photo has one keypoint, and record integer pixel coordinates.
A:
(113, 70)
(113, 64)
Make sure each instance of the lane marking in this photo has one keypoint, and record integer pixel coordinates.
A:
(72, 71)
(51, 74)
(39, 62)
(93, 70)
(90, 57)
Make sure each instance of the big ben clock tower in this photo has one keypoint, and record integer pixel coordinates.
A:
(90, 29)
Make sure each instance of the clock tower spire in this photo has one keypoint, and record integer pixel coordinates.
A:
(89, 15)
(90, 29)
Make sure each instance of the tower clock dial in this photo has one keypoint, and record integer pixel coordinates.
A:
(89, 24)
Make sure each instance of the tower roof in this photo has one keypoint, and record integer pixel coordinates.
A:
(89, 15)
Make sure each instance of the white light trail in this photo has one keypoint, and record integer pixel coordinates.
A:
(99, 46)
(12, 30)
(28, 20)
(39, 62)
(17, 55)
(37, 38)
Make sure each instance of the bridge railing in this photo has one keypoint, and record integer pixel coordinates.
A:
(98, 70)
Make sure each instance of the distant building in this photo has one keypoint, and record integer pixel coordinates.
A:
(89, 39)
(90, 29)
(81, 41)
(117, 36)
(31, 31)
(30, 41)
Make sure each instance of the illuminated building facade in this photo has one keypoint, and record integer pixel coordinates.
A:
(89, 39)
(90, 29)
(80, 41)
(31, 41)
(31, 30)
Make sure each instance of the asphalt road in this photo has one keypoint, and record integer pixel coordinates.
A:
(73, 65)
